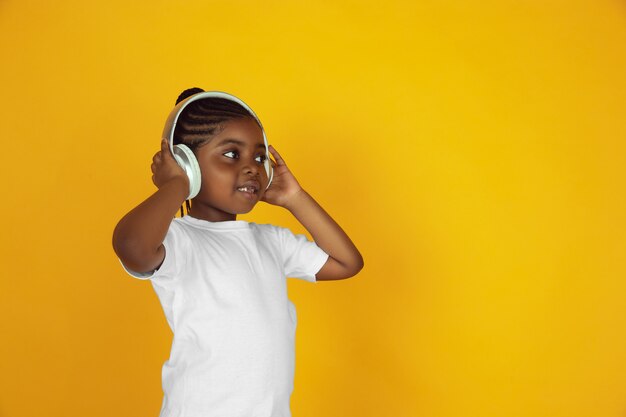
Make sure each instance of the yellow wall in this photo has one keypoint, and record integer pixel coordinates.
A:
(475, 153)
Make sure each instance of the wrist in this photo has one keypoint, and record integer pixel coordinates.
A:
(181, 186)
(295, 199)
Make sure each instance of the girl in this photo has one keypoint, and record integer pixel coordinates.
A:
(221, 281)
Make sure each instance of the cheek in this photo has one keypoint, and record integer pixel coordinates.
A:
(216, 176)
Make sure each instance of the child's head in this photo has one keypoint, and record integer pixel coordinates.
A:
(203, 119)
(229, 145)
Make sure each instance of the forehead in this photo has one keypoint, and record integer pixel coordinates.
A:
(244, 128)
(243, 132)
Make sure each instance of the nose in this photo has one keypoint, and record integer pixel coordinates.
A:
(251, 168)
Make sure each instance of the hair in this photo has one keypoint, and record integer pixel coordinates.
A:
(203, 119)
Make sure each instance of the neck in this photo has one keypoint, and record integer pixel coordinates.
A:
(204, 212)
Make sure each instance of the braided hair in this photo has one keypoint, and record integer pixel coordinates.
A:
(203, 119)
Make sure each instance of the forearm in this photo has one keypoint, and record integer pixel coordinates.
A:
(141, 232)
(328, 235)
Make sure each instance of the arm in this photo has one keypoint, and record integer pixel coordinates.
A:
(344, 259)
(138, 237)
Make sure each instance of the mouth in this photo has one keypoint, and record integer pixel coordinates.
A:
(250, 189)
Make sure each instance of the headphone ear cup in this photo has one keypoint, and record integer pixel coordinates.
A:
(268, 163)
(269, 171)
(187, 160)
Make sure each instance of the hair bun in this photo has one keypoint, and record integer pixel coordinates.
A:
(187, 93)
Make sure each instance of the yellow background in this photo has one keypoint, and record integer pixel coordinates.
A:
(474, 151)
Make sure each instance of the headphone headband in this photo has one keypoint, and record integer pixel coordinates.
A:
(172, 119)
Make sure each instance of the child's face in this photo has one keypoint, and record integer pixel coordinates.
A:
(226, 166)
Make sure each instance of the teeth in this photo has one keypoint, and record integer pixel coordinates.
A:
(246, 189)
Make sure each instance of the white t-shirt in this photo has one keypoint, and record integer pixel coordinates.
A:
(223, 289)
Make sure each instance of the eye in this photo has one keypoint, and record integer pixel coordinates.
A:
(263, 158)
(233, 152)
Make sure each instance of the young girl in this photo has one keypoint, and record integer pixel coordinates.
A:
(221, 281)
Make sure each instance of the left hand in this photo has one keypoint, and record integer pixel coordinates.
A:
(284, 185)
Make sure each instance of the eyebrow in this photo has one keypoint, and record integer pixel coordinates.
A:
(238, 142)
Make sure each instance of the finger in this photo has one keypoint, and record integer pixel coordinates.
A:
(277, 156)
(165, 147)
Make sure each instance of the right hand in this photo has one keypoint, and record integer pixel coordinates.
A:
(165, 168)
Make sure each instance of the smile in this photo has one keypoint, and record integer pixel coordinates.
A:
(247, 190)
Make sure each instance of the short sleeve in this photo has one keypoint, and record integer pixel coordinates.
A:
(302, 258)
(175, 251)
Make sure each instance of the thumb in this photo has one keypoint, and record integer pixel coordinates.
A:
(166, 152)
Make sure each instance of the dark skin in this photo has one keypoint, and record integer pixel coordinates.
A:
(138, 237)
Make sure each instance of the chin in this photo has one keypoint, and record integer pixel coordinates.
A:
(246, 211)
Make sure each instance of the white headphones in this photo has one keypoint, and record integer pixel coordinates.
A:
(185, 157)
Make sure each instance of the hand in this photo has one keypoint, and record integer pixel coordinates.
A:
(165, 168)
(284, 185)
